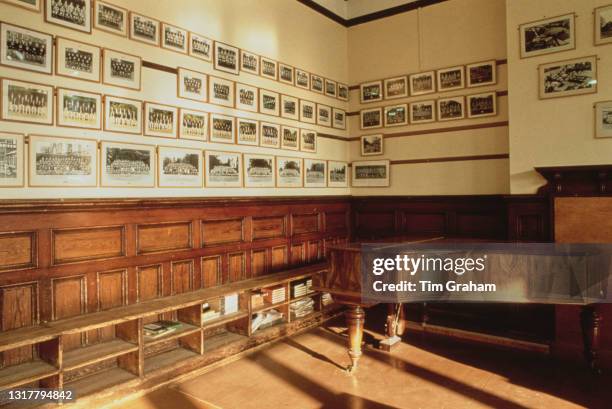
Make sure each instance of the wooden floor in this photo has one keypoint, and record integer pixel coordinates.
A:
(306, 372)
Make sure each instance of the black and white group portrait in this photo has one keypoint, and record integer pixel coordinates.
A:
(122, 70)
(144, 29)
(193, 124)
(200, 47)
(396, 115)
(27, 102)
(343, 92)
(246, 97)
(422, 112)
(285, 74)
(330, 88)
(371, 145)
(289, 107)
(480, 74)
(570, 77)
(248, 132)
(268, 68)
(110, 18)
(269, 102)
(324, 115)
(308, 140)
(192, 85)
(603, 25)
(422, 83)
(179, 167)
(79, 109)
(127, 165)
(11, 160)
(316, 83)
(371, 92)
(547, 36)
(78, 60)
(339, 118)
(307, 111)
(337, 174)
(222, 128)
(371, 173)
(221, 91)
(302, 79)
(270, 135)
(160, 120)
(32, 5)
(603, 119)
(451, 108)
(371, 118)
(26, 49)
(259, 170)
(249, 62)
(290, 138)
(288, 172)
(482, 105)
(315, 173)
(226, 58)
(122, 115)
(450, 79)
(75, 14)
(174, 38)
(396, 87)
(223, 169)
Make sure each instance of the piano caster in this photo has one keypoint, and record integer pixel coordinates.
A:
(355, 317)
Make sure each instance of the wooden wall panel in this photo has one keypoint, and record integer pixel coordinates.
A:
(305, 223)
(211, 271)
(19, 305)
(336, 222)
(417, 223)
(69, 297)
(314, 251)
(279, 257)
(222, 231)
(164, 237)
(149, 282)
(72, 245)
(298, 252)
(237, 266)
(258, 262)
(269, 227)
(17, 250)
(370, 222)
(182, 276)
(112, 292)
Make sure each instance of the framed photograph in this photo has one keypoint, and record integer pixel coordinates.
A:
(32, 5)
(111, 18)
(324, 115)
(223, 169)
(480, 105)
(547, 36)
(603, 25)
(144, 29)
(373, 173)
(315, 173)
(221, 128)
(371, 118)
(396, 115)
(450, 79)
(127, 165)
(200, 47)
(422, 83)
(288, 172)
(339, 116)
(481, 73)
(577, 76)
(79, 109)
(337, 174)
(331, 88)
(174, 38)
(221, 91)
(343, 92)
(27, 102)
(160, 120)
(307, 111)
(11, 160)
(603, 120)
(259, 170)
(371, 92)
(372, 145)
(226, 58)
(248, 132)
(285, 73)
(121, 70)
(77, 60)
(422, 112)
(308, 140)
(270, 135)
(302, 79)
(249, 62)
(193, 124)
(396, 87)
(123, 115)
(268, 68)
(56, 161)
(450, 109)
(247, 97)
(317, 84)
(269, 102)
(289, 139)
(179, 167)
(26, 49)
(74, 14)
(289, 107)
(192, 85)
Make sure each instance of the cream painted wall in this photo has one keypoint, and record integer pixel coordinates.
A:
(279, 29)
(557, 131)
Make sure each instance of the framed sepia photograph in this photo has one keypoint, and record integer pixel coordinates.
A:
(339, 118)
(337, 174)
(480, 105)
(79, 109)
(288, 172)
(249, 62)
(308, 111)
(422, 83)
(269, 102)
(343, 92)
(482, 73)
(248, 131)
(270, 135)
(110, 18)
(371, 92)
(179, 167)
(308, 140)
(302, 79)
(371, 118)
(396, 87)
(220, 91)
(123, 115)
(285, 73)
(324, 115)
(192, 85)
(603, 120)
(193, 124)
(200, 47)
(450, 79)
(450, 109)
(315, 173)
(27, 102)
(289, 138)
(144, 29)
(566, 78)
(32, 5)
(372, 145)
(259, 170)
(56, 161)
(371, 173)
(121, 70)
(603, 25)
(289, 107)
(77, 60)
(422, 112)
(174, 38)
(127, 165)
(223, 169)
(11, 160)
(221, 128)
(26, 49)
(317, 84)
(331, 88)
(74, 14)
(547, 36)
(247, 97)
(226, 58)
(160, 120)
(268, 68)
(396, 115)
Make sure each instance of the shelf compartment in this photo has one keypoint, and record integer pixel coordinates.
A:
(217, 341)
(167, 359)
(224, 319)
(184, 330)
(21, 374)
(80, 357)
(266, 307)
(98, 381)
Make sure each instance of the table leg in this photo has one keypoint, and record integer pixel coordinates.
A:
(355, 318)
(591, 319)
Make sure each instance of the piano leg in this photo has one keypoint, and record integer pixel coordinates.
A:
(591, 319)
(355, 318)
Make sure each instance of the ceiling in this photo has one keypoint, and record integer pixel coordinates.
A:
(348, 9)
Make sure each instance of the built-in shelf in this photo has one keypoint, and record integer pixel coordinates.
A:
(266, 307)
(309, 295)
(185, 329)
(27, 372)
(99, 381)
(167, 359)
(95, 353)
(224, 319)
(220, 340)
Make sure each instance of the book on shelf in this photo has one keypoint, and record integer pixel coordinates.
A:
(257, 300)
(326, 299)
(266, 319)
(209, 312)
(302, 307)
(274, 295)
(230, 303)
(301, 288)
(160, 328)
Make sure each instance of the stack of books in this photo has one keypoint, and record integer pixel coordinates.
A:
(299, 289)
(274, 295)
(309, 286)
(230, 304)
(302, 307)
(326, 299)
(257, 300)
(158, 329)
(209, 313)
(266, 319)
